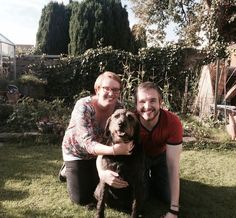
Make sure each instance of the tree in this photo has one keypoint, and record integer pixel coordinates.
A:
(99, 23)
(196, 21)
(139, 38)
(53, 32)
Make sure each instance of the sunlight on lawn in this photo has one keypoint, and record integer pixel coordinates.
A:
(29, 186)
(209, 167)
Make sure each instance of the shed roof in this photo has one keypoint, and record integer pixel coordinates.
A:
(4, 39)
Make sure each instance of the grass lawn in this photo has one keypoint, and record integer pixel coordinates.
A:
(29, 186)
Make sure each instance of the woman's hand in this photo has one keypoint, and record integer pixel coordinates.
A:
(123, 148)
(112, 178)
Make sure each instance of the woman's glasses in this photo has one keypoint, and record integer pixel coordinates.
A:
(108, 90)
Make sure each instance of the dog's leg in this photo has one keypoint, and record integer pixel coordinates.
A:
(137, 206)
(101, 196)
(134, 213)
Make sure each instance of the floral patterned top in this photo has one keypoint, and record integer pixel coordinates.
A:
(83, 132)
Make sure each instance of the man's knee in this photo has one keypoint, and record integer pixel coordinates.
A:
(164, 196)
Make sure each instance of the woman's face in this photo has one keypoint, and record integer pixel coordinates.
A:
(108, 92)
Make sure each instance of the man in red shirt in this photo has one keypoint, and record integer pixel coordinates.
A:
(161, 136)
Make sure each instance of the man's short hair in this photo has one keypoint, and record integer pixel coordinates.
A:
(146, 86)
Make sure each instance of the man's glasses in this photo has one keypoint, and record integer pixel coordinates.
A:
(108, 90)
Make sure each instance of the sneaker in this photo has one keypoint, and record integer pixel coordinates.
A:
(61, 177)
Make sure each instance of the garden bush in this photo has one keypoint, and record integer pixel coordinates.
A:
(32, 86)
(5, 111)
(165, 66)
(3, 84)
(28, 113)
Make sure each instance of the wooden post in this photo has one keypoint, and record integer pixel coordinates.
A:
(185, 99)
(216, 85)
(231, 127)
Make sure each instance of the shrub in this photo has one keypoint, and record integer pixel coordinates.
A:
(22, 118)
(164, 66)
(32, 86)
(5, 111)
(29, 112)
(3, 84)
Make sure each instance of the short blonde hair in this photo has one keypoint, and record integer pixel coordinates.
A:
(106, 74)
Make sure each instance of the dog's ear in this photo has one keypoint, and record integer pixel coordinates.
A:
(107, 131)
(137, 137)
(136, 127)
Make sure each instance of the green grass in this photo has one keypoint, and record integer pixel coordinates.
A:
(29, 186)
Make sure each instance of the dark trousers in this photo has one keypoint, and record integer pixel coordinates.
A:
(156, 178)
(82, 179)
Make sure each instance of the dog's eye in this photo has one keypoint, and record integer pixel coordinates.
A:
(117, 116)
(130, 117)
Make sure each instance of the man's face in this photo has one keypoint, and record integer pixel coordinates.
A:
(148, 104)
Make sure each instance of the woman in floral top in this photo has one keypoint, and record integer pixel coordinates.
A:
(83, 139)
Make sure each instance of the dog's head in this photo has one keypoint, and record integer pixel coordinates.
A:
(122, 126)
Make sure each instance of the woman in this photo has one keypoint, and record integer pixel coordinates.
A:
(83, 139)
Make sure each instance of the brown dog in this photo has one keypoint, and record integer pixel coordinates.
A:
(123, 126)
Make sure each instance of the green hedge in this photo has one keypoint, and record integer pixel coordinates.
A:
(71, 75)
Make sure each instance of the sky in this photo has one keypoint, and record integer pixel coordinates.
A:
(19, 19)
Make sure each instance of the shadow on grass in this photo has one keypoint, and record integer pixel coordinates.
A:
(11, 195)
(25, 164)
(199, 201)
(21, 165)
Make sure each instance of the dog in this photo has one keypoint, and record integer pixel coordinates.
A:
(123, 126)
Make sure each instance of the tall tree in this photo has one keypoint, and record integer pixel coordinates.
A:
(73, 33)
(139, 37)
(53, 32)
(96, 23)
(196, 21)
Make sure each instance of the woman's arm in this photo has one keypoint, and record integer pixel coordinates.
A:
(84, 137)
(115, 149)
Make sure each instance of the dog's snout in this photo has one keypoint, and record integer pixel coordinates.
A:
(121, 124)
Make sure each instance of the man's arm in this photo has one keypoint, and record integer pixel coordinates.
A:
(173, 158)
(108, 176)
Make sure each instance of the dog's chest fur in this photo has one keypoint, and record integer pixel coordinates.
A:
(127, 166)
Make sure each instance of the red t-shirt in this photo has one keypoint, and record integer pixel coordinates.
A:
(168, 130)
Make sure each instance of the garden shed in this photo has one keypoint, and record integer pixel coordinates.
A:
(7, 59)
(217, 88)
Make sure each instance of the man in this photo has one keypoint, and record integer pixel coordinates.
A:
(161, 136)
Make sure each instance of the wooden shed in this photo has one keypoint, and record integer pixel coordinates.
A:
(217, 88)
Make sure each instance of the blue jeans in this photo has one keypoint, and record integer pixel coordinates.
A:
(156, 178)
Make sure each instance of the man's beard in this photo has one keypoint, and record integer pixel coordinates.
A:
(154, 113)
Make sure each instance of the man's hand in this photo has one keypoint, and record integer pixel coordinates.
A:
(169, 215)
(112, 178)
